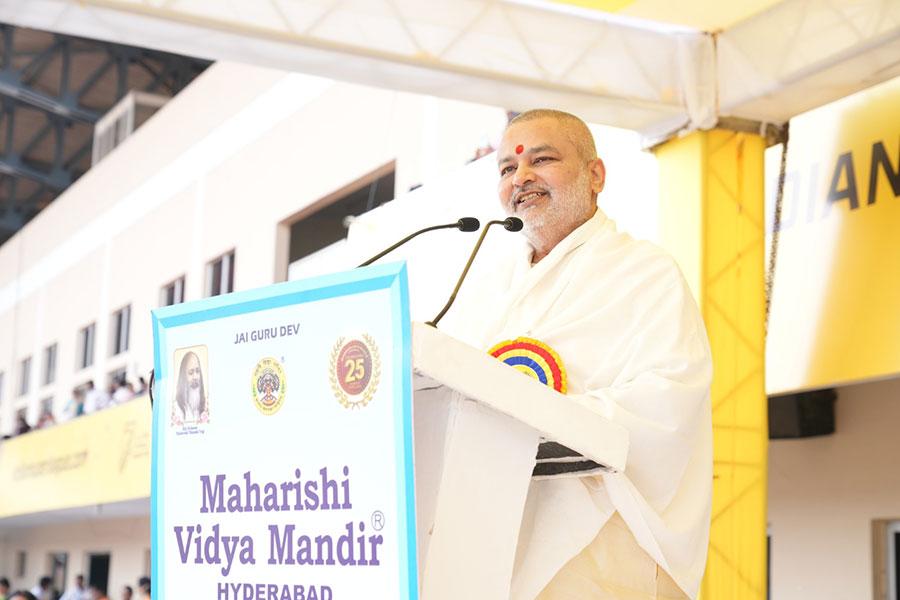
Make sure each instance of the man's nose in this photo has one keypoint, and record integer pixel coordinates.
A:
(523, 175)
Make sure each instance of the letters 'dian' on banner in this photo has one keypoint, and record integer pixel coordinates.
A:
(834, 317)
(282, 454)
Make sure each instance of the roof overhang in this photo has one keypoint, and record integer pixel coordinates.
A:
(644, 75)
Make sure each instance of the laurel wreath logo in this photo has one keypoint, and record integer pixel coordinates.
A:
(363, 399)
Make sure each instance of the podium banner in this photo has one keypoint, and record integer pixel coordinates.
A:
(282, 462)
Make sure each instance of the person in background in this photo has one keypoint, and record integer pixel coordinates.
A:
(123, 393)
(22, 595)
(22, 425)
(46, 420)
(94, 399)
(141, 386)
(144, 588)
(127, 593)
(111, 392)
(98, 593)
(44, 589)
(91, 396)
(78, 592)
(75, 406)
(4, 588)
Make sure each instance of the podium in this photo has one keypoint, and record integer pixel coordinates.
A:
(337, 449)
(477, 425)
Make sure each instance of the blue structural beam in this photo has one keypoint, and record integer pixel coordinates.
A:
(11, 86)
(56, 179)
(11, 221)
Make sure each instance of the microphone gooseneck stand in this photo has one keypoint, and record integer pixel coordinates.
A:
(510, 224)
(464, 224)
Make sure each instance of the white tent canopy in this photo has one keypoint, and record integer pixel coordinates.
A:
(654, 77)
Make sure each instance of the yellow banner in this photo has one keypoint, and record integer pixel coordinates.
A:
(95, 459)
(835, 315)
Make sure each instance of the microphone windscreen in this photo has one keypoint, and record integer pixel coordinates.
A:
(513, 224)
(468, 224)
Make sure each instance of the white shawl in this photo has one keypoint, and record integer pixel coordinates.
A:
(628, 331)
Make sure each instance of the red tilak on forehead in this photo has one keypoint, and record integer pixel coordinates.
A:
(519, 149)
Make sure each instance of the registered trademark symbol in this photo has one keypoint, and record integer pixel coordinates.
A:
(377, 520)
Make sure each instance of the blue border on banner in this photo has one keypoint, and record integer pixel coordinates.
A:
(156, 456)
(405, 449)
(393, 277)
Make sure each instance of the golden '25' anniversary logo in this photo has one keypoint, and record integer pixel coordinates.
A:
(355, 371)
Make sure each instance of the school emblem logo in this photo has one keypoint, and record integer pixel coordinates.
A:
(355, 371)
(268, 386)
(534, 358)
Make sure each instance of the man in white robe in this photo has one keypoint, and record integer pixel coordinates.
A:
(628, 332)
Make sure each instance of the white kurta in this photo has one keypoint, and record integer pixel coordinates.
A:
(627, 329)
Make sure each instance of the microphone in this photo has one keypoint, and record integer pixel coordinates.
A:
(464, 224)
(509, 224)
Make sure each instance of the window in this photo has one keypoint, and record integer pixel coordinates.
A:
(119, 327)
(893, 559)
(20, 563)
(328, 225)
(49, 365)
(98, 569)
(86, 346)
(220, 275)
(58, 562)
(25, 376)
(172, 293)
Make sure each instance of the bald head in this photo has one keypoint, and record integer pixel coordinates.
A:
(572, 127)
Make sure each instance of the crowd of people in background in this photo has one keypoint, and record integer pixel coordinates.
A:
(44, 590)
(86, 399)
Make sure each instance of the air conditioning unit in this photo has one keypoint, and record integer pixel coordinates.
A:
(121, 120)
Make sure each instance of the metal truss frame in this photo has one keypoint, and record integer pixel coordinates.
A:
(19, 72)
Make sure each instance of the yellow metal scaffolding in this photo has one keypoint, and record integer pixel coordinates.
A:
(712, 220)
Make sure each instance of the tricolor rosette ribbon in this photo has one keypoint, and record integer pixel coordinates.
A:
(534, 358)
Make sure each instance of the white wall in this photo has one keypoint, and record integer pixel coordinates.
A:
(126, 540)
(824, 493)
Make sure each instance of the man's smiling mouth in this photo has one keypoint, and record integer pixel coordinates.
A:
(526, 199)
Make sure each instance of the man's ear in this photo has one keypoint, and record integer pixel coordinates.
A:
(597, 172)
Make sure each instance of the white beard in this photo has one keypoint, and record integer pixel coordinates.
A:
(192, 405)
(567, 214)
